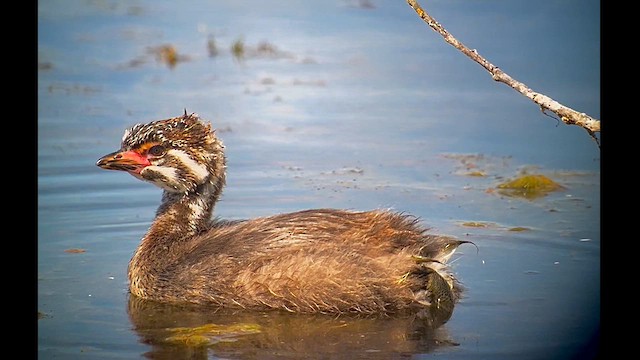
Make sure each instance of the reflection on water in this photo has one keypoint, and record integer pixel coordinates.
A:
(345, 104)
(279, 335)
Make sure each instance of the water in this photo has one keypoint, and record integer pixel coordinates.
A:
(356, 107)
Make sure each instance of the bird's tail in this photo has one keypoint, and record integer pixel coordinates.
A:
(439, 290)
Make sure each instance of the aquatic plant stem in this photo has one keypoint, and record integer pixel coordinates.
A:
(568, 115)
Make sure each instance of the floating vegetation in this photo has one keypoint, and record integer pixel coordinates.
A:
(237, 50)
(75, 251)
(477, 224)
(167, 54)
(529, 187)
(240, 51)
(346, 171)
(477, 165)
(490, 225)
(319, 83)
(46, 65)
(267, 81)
(212, 49)
(267, 49)
(361, 4)
(210, 334)
(72, 89)
(263, 50)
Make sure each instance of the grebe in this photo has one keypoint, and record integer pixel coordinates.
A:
(312, 261)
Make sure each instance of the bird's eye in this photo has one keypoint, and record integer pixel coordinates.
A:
(157, 150)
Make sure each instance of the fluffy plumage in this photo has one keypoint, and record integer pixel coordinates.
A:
(321, 260)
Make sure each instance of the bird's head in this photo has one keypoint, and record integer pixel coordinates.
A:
(176, 154)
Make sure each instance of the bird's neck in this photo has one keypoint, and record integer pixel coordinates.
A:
(183, 215)
(180, 217)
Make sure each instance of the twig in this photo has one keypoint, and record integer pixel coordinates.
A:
(566, 114)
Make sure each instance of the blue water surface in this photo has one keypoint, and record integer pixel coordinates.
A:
(356, 104)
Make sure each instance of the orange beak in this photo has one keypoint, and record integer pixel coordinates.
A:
(129, 161)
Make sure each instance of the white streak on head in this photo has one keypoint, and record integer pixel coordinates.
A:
(198, 170)
(126, 134)
(169, 180)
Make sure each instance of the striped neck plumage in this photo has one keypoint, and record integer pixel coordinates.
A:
(185, 214)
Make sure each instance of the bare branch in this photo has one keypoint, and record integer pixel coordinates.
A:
(566, 114)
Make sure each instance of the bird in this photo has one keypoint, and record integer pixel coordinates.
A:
(325, 260)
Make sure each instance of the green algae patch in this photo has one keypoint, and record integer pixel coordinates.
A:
(238, 50)
(529, 187)
(519, 229)
(477, 224)
(210, 334)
